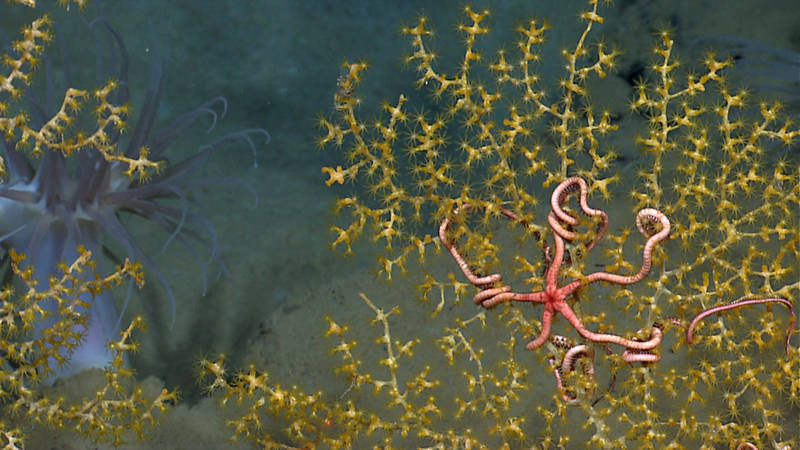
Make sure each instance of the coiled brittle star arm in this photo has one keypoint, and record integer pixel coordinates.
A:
(487, 283)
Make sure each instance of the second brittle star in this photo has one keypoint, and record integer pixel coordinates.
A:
(554, 298)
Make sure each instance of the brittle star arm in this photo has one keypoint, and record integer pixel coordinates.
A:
(568, 365)
(647, 254)
(559, 196)
(740, 303)
(651, 343)
(484, 283)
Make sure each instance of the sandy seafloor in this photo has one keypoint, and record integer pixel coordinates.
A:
(276, 62)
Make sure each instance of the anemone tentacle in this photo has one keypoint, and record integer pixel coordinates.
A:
(50, 206)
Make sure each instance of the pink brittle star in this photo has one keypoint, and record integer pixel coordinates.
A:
(553, 297)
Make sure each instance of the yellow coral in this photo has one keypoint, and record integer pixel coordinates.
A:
(709, 159)
(28, 358)
(57, 133)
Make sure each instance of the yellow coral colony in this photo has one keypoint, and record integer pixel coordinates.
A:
(115, 410)
(717, 163)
